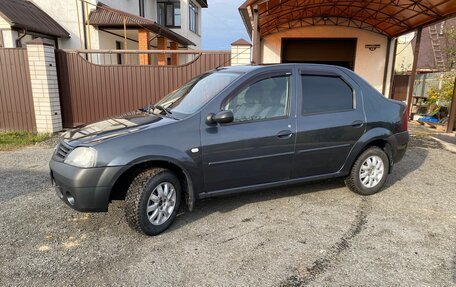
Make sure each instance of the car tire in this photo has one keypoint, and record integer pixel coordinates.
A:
(152, 201)
(369, 172)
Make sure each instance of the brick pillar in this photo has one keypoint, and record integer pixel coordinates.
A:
(240, 53)
(45, 89)
(161, 46)
(174, 57)
(143, 44)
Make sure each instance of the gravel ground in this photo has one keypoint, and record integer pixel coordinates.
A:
(314, 234)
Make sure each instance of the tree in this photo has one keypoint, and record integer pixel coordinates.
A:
(442, 96)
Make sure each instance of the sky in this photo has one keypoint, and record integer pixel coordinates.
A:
(222, 24)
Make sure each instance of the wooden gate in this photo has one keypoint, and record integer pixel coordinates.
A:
(91, 92)
(400, 87)
(16, 102)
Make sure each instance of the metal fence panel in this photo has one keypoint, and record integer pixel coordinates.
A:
(91, 92)
(16, 102)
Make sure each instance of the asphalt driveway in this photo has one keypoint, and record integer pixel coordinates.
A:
(316, 234)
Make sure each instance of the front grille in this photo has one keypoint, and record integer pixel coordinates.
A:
(63, 150)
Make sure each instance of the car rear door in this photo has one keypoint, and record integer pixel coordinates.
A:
(330, 121)
(258, 146)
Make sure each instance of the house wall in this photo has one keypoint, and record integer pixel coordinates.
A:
(368, 64)
(9, 36)
(404, 53)
(184, 29)
(108, 42)
(130, 6)
(66, 14)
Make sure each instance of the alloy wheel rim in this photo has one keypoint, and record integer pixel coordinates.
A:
(371, 171)
(161, 203)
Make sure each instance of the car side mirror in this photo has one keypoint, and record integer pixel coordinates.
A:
(222, 117)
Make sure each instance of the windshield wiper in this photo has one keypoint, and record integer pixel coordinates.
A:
(168, 113)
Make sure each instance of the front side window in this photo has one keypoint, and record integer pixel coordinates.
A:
(325, 94)
(169, 14)
(193, 95)
(265, 99)
(193, 17)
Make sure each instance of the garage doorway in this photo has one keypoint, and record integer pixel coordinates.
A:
(340, 52)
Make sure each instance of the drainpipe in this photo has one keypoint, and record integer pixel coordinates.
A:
(84, 28)
(18, 40)
(255, 38)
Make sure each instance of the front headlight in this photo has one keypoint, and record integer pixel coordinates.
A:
(82, 157)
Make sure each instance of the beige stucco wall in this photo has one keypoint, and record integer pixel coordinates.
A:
(404, 56)
(368, 64)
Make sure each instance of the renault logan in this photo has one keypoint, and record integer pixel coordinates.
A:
(230, 130)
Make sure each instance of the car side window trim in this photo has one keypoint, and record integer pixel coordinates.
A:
(329, 74)
(256, 79)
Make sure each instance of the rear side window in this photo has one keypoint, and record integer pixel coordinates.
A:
(325, 94)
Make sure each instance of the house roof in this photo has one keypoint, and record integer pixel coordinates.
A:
(106, 17)
(203, 3)
(388, 17)
(241, 42)
(22, 14)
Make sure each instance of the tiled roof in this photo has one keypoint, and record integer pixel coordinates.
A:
(22, 14)
(241, 42)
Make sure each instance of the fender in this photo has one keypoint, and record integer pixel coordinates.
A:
(182, 160)
(368, 137)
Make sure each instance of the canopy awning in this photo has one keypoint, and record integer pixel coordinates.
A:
(388, 17)
(109, 18)
(26, 15)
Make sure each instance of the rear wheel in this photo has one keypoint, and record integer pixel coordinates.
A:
(152, 201)
(369, 173)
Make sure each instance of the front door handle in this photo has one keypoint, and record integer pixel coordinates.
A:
(285, 134)
(357, 124)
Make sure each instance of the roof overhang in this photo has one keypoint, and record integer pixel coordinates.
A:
(109, 18)
(203, 3)
(24, 15)
(391, 18)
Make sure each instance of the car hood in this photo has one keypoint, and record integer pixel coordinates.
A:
(113, 127)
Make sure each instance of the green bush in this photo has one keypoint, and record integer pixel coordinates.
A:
(442, 96)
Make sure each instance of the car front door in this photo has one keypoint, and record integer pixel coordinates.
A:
(330, 121)
(257, 147)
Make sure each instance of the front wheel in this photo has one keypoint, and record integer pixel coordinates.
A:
(369, 173)
(152, 201)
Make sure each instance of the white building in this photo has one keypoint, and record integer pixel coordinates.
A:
(67, 23)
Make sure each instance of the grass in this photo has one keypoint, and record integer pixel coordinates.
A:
(14, 140)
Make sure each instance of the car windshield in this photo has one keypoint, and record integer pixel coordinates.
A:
(193, 95)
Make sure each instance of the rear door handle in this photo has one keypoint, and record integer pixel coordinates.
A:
(357, 124)
(285, 134)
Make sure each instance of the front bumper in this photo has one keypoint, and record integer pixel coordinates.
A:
(84, 189)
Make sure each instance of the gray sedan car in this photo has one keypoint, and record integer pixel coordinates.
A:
(234, 129)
